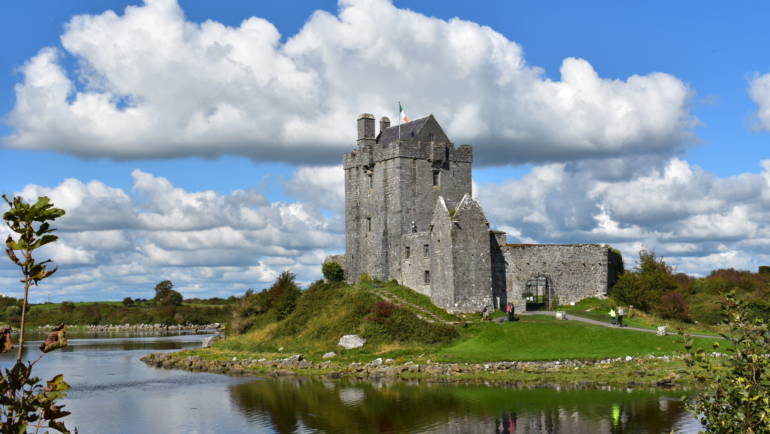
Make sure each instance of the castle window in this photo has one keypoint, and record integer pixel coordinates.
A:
(430, 137)
(371, 180)
(368, 224)
(427, 277)
(446, 153)
(435, 177)
(407, 252)
(425, 250)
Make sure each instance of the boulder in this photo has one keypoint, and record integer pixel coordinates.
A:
(329, 355)
(662, 331)
(351, 341)
(560, 314)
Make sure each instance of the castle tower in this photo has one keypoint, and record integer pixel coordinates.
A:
(392, 183)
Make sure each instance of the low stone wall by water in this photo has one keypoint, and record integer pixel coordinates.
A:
(121, 328)
(378, 368)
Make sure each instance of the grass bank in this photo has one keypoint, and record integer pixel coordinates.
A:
(598, 309)
(399, 325)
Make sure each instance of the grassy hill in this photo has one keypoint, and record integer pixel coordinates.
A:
(326, 311)
(401, 324)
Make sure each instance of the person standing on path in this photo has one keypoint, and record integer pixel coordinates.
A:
(612, 315)
(620, 316)
(509, 309)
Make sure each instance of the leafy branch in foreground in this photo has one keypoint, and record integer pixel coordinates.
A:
(736, 388)
(24, 400)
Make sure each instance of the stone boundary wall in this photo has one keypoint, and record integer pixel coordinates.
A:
(573, 271)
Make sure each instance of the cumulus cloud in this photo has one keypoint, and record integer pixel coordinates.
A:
(759, 90)
(323, 186)
(115, 243)
(151, 84)
(691, 216)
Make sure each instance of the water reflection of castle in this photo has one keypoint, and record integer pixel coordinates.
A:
(364, 407)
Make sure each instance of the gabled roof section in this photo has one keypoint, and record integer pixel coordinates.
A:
(409, 130)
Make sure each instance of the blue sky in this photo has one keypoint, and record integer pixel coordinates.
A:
(637, 124)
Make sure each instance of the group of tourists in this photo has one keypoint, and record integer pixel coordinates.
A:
(509, 309)
(616, 317)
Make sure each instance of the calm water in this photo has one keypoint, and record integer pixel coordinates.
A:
(113, 392)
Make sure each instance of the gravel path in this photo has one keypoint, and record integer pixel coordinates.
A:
(603, 323)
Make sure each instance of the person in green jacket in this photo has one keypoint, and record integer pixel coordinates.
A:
(613, 315)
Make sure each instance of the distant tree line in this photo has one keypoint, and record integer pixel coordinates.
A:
(166, 307)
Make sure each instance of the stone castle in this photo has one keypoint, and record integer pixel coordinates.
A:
(410, 217)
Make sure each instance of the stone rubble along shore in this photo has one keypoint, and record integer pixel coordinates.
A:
(378, 368)
(116, 328)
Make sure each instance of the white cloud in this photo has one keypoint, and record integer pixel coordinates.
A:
(206, 242)
(690, 216)
(759, 90)
(151, 84)
(323, 186)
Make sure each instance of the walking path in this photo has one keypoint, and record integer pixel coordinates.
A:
(603, 323)
(428, 316)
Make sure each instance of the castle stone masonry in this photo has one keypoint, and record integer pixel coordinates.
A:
(410, 216)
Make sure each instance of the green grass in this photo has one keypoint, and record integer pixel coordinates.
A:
(45, 307)
(326, 311)
(598, 309)
(417, 299)
(544, 338)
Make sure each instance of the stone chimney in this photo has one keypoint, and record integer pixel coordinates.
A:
(384, 123)
(365, 129)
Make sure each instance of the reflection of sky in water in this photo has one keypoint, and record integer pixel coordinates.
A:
(113, 392)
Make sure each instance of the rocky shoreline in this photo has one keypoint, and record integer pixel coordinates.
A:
(297, 365)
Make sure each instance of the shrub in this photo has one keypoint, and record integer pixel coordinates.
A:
(736, 388)
(128, 301)
(25, 401)
(67, 306)
(646, 284)
(281, 299)
(402, 325)
(333, 271)
(673, 305)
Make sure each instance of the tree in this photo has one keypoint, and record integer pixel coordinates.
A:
(128, 301)
(165, 294)
(31, 223)
(162, 289)
(24, 400)
(736, 393)
(332, 271)
(644, 287)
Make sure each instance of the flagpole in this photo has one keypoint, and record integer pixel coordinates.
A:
(399, 121)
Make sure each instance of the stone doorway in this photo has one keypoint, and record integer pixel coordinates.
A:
(539, 293)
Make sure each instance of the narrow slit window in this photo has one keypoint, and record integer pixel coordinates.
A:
(407, 252)
(427, 276)
(370, 180)
(435, 177)
(368, 224)
(426, 250)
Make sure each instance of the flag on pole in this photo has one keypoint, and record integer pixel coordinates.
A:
(402, 116)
